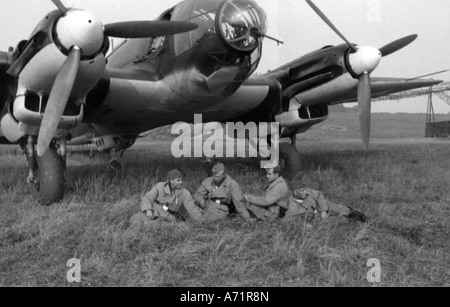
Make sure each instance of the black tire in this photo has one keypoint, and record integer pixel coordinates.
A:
(290, 160)
(51, 178)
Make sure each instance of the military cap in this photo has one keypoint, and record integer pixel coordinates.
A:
(174, 174)
(218, 168)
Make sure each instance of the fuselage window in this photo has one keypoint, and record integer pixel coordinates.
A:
(255, 58)
(206, 29)
(216, 61)
(155, 46)
(156, 43)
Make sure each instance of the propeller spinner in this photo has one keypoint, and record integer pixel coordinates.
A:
(362, 61)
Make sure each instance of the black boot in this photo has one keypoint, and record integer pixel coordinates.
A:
(357, 216)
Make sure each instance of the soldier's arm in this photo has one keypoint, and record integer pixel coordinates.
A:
(149, 199)
(201, 195)
(189, 204)
(321, 202)
(270, 198)
(238, 201)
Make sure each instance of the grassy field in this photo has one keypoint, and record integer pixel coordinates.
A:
(401, 184)
(384, 126)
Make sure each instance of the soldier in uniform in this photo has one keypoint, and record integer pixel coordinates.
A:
(307, 200)
(220, 196)
(164, 201)
(274, 201)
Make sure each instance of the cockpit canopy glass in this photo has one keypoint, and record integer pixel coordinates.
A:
(242, 24)
(238, 23)
(229, 35)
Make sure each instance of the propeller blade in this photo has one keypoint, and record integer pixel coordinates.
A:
(397, 45)
(144, 29)
(60, 6)
(58, 100)
(330, 24)
(365, 106)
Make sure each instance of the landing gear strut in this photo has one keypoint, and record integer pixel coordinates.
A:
(46, 173)
(290, 159)
(30, 152)
(294, 140)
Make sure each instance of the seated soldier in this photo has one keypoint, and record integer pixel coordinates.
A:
(274, 201)
(164, 201)
(220, 196)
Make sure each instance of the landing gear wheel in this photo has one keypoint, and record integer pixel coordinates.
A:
(51, 178)
(290, 160)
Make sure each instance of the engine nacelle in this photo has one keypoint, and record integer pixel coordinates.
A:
(40, 73)
(9, 130)
(299, 118)
(29, 108)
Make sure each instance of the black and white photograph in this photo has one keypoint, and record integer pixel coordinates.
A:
(225, 149)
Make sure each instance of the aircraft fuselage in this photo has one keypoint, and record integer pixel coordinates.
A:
(200, 71)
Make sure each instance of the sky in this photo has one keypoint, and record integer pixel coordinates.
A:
(365, 22)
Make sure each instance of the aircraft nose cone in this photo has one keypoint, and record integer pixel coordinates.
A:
(82, 29)
(366, 59)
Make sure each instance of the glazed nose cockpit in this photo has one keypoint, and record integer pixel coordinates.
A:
(238, 23)
(224, 50)
(241, 24)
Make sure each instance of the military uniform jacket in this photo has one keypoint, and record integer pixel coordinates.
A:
(275, 196)
(314, 202)
(161, 196)
(229, 190)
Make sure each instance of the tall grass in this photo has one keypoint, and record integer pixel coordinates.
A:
(404, 189)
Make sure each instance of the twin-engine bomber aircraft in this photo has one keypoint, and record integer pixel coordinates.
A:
(197, 58)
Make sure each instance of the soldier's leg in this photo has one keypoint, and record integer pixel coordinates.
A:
(338, 208)
(166, 217)
(348, 212)
(212, 214)
(139, 220)
(259, 212)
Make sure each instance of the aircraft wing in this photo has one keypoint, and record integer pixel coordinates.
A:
(388, 86)
(323, 77)
(334, 75)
